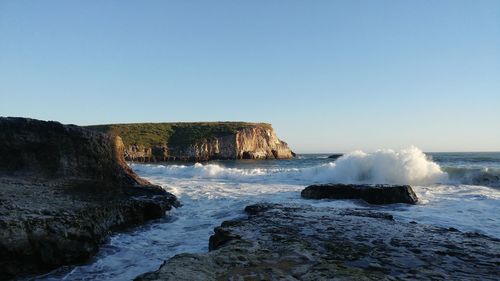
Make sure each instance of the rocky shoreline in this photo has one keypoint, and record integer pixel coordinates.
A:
(63, 189)
(296, 242)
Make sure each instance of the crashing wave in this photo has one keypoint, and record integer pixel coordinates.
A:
(406, 166)
(474, 176)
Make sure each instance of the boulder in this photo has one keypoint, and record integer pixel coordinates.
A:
(373, 194)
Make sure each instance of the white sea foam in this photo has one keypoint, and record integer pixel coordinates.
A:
(406, 166)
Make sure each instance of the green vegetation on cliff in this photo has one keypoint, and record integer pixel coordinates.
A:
(149, 134)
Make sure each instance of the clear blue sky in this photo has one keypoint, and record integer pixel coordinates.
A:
(329, 75)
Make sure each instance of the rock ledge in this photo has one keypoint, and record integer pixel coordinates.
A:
(293, 242)
(373, 194)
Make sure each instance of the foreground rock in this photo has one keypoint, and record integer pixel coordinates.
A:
(373, 194)
(199, 141)
(305, 243)
(62, 190)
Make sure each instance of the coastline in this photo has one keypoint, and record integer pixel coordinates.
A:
(68, 218)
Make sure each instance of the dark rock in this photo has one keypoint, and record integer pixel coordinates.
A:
(257, 208)
(62, 190)
(220, 238)
(373, 194)
(335, 156)
(293, 242)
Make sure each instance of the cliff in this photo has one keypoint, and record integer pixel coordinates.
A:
(62, 190)
(153, 142)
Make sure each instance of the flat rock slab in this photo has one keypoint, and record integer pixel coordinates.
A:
(293, 242)
(373, 194)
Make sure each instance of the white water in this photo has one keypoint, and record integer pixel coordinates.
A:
(408, 166)
(212, 193)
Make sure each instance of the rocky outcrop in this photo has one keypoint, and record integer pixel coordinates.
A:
(294, 242)
(335, 156)
(373, 194)
(260, 143)
(62, 190)
(154, 142)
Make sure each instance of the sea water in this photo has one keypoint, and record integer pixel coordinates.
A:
(459, 190)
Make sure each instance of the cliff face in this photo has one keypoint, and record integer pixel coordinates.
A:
(261, 143)
(198, 141)
(50, 150)
(62, 189)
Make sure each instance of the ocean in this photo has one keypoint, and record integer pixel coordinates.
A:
(459, 190)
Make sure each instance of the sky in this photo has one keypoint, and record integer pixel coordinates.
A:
(331, 76)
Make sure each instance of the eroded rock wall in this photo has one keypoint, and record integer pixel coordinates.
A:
(50, 150)
(253, 142)
(260, 143)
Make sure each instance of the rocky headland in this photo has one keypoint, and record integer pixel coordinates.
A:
(62, 190)
(200, 141)
(296, 242)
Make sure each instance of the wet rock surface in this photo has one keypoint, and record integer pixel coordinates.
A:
(278, 242)
(62, 190)
(373, 194)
